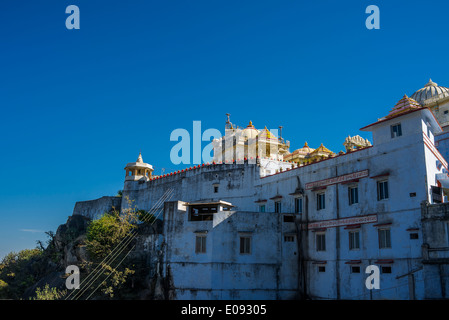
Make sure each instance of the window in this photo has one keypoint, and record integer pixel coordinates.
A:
(385, 269)
(320, 242)
(200, 244)
(396, 130)
(262, 208)
(288, 218)
(245, 245)
(355, 269)
(321, 269)
(384, 238)
(414, 236)
(202, 212)
(354, 240)
(382, 190)
(289, 238)
(446, 112)
(277, 207)
(298, 205)
(215, 189)
(320, 201)
(353, 195)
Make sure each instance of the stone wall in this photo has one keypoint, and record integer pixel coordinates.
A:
(93, 209)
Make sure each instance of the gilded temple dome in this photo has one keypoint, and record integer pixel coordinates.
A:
(430, 90)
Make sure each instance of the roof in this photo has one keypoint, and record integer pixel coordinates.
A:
(382, 120)
(430, 90)
(139, 163)
(403, 105)
(200, 203)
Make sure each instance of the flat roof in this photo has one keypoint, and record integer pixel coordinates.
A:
(200, 203)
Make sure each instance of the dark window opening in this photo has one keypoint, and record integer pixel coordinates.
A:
(396, 130)
(202, 213)
(354, 240)
(414, 236)
(320, 242)
(320, 201)
(386, 269)
(200, 244)
(353, 195)
(321, 269)
(382, 190)
(277, 207)
(384, 238)
(355, 269)
(245, 245)
(289, 218)
(298, 205)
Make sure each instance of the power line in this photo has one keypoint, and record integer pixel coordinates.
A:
(99, 270)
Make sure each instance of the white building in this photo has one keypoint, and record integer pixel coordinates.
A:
(233, 230)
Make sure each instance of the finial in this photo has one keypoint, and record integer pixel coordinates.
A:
(250, 124)
(227, 120)
(431, 84)
(139, 159)
(305, 145)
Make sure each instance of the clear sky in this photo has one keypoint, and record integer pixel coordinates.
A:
(77, 105)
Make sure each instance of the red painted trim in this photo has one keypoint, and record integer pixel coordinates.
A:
(350, 181)
(353, 262)
(380, 175)
(384, 261)
(394, 117)
(353, 226)
(319, 229)
(382, 224)
(327, 159)
(435, 151)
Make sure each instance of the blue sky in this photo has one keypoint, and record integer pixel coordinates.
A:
(77, 105)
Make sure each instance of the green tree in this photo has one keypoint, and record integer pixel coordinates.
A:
(48, 293)
(108, 247)
(104, 234)
(18, 271)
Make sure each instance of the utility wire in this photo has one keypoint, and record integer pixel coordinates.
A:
(118, 249)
